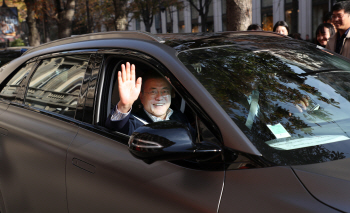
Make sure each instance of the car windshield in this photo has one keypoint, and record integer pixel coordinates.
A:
(264, 91)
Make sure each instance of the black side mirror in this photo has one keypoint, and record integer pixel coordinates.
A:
(166, 140)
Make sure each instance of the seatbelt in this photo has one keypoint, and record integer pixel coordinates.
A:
(253, 108)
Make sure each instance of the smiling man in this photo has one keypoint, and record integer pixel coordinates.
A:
(155, 94)
(340, 42)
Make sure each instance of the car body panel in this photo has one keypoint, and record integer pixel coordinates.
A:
(117, 181)
(274, 189)
(33, 160)
(329, 182)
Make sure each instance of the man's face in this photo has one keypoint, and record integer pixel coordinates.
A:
(341, 20)
(156, 96)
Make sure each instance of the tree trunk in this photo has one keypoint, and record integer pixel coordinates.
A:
(34, 38)
(148, 26)
(65, 17)
(239, 14)
(45, 25)
(147, 18)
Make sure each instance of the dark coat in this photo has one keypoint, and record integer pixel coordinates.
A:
(131, 122)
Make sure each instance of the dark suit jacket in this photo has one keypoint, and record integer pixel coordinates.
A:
(131, 122)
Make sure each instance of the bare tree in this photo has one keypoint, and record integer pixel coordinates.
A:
(34, 37)
(239, 14)
(145, 9)
(120, 12)
(203, 9)
(65, 13)
(171, 6)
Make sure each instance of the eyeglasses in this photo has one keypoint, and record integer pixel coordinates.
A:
(154, 93)
(338, 16)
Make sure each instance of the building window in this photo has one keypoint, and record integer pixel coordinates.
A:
(223, 8)
(169, 19)
(291, 9)
(137, 24)
(210, 18)
(181, 18)
(267, 15)
(158, 23)
(194, 20)
(319, 9)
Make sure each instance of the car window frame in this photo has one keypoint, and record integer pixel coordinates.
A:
(17, 98)
(20, 97)
(134, 55)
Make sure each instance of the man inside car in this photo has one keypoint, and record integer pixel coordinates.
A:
(155, 94)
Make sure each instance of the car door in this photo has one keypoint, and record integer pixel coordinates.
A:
(102, 175)
(36, 129)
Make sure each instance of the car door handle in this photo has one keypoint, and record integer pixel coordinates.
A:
(84, 165)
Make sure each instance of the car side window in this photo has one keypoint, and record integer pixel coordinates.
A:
(13, 86)
(55, 85)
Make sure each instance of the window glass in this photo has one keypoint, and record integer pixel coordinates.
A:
(223, 7)
(194, 22)
(319, 10)
(263, 84)
(137, 23)
(55, 85)
(291, 15)
(13, 85)
(169, 12)
(267, 15)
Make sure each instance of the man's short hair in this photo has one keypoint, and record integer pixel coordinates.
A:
(327, 18)
(254, 27)
(343, 5)
(150, 75)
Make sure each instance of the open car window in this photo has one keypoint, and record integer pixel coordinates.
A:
(109, 95)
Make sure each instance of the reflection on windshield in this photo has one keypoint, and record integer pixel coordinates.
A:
(276, 119)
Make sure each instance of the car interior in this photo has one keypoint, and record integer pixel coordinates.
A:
(110, 94)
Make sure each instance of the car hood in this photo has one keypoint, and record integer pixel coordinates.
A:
(329, 182)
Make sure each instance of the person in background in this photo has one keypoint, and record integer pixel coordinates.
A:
(340, 42)
(307, 38)
(323, 33)
(295, 36)
(328, 19)
(254, 27)
(281, 27)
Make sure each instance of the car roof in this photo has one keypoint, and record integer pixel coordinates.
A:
(186, 41)
(99, 36)
(174, 40)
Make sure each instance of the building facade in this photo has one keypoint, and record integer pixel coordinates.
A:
(302, 16)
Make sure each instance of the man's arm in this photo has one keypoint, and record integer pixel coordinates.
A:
(129, 89)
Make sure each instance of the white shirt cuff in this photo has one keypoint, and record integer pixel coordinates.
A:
(117, 115)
